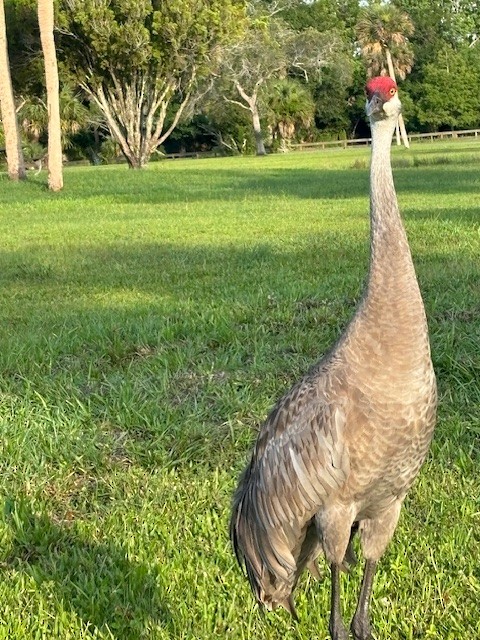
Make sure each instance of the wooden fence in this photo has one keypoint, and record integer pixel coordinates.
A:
(303, 146)
(440, 135)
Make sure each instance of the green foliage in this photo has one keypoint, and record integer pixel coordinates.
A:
(455, 23)
(73, 113)
(162, 39)
(134, 49)
(142, 63)
(112, 33)
(148, 321)
(230, 127)
(438, 23)
(383, 29)
(290, 106)
(25, 51)
(33, 151)
(259, 56)
(270, 52)
(109, 151)
(322, 15)
(449, 97)
(333, 97)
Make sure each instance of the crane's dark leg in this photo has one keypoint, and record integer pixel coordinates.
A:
(350, 559)
(338, 631)
(360, 626)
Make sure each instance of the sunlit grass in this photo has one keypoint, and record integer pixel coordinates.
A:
(148, 322)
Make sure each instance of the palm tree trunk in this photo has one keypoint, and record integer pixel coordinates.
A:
(45, 21)
(13, 147)
(400, 128)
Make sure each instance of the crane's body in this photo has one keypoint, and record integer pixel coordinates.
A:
(340, 450)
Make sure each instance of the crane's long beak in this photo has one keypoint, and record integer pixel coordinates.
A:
(374, 105)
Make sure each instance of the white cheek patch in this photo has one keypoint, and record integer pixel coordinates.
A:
(391, 106)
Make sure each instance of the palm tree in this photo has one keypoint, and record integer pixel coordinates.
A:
(13, 147)
(383, 31)
(45, 21)
(74, 116)
(291, 106)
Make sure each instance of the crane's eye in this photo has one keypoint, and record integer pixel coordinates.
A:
(392, 91)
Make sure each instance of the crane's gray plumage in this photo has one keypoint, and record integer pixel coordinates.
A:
(341, 449)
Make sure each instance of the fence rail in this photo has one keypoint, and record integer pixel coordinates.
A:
(439, 135)
(302, 146)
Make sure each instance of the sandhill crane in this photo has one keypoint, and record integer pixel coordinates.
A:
(339, 451)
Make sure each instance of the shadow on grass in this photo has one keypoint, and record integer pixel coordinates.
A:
(186, 293)
(164, 267)
(36, 184)
(308, 184)
(173, 353)
(186, 341)
(97, 582)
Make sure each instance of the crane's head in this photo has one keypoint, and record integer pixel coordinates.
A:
(382, 98)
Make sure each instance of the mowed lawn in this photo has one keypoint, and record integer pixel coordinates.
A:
(148, 322)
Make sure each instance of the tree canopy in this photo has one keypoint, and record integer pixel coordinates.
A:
(270, 52)
(142, 61)
(142, 76)
(383, 31)
(450, 97)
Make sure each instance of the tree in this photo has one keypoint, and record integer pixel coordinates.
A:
(438, 23)
(382, 32)
(55, 167)
(74, 116)
(332, 92)
(334, 95)
(291, 106)
(449, 97)
(229, 128)
(143, 61)
(322, 15)
(13, 147)
(270, 51)
(24, 47)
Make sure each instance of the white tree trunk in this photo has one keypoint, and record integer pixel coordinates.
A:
(251, 104)
(257, 130)
(55, 165)
(13, 146)
(135, 112)
(400, 128)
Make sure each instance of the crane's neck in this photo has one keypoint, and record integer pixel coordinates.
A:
(391, 318)
(391, 266)
(388, 335)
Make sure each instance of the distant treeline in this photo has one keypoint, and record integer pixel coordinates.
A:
(139, 79)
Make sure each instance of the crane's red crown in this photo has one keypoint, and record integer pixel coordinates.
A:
(384, 85)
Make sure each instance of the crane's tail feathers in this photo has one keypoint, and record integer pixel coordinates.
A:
(263, 556)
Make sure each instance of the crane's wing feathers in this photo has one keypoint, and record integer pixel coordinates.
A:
(300, 459)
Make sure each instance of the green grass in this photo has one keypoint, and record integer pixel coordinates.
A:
(148, 322)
